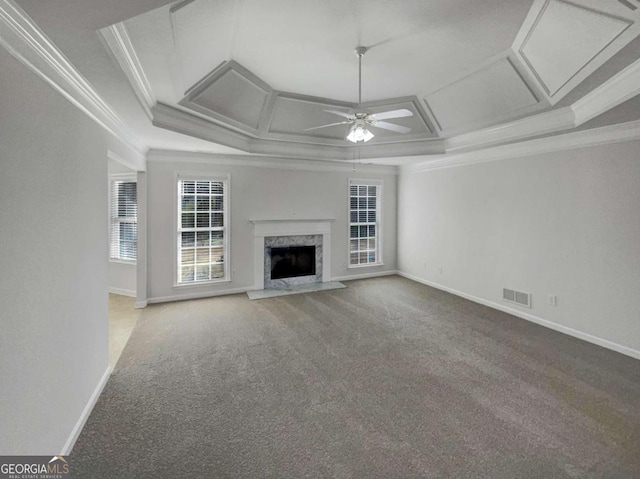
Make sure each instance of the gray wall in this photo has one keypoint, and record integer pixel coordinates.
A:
(259, 193)
(564, 224)
(53, 286)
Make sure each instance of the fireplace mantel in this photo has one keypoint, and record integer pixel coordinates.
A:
(289, 227)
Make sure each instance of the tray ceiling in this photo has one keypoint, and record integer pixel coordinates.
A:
(254, 75)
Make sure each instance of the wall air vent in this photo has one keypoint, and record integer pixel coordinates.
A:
(518, 297)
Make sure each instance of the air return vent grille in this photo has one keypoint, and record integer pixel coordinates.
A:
(518, 297)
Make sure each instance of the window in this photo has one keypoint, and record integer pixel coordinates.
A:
(202, 230)
(364, 223)
(123, 241)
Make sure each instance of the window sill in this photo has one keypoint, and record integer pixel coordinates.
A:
(201, 283)
(123, 261)
(368, 265)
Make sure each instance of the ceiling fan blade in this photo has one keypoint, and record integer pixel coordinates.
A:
(325, 126)
(339, 113)
(386, 115)
(391, 126)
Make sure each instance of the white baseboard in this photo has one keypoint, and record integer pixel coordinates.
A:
(77, 429)
(141, 304)
(364, 275)
(530, 317)
(123, 292)
(199, 295)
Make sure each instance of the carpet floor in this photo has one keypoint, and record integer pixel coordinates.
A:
(387, 378)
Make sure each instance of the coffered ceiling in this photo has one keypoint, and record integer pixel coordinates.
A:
(252, 76)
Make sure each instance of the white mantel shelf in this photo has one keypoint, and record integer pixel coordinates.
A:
(290, 227)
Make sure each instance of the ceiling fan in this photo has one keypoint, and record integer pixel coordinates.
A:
(360, 119)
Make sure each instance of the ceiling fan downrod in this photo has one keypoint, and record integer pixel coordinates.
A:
(360, 51)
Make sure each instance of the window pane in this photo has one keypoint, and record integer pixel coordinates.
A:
(203, 203)
(372, 230)
(217, 220)
(188, 239)
(217, 187)
(217, 203)
(354, 232)
(216, 238)
(372, 191)
(188, 220)
(364, 232)
(188, 187)
(203, 238)
(202, 272)
(187, 274)
(202, 255)
(353, 191)
(202, 187)
(362, 203)
(217, 255)
(362, 191)
(371, 204)
(354, 216)
(371, 216)
(203, 220)
(353, 245)
(362, 217)
(217, 271)
(187, 256)
(188, 203)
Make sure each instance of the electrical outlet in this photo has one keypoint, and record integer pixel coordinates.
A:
(553, 300)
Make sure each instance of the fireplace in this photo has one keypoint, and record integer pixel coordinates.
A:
(293, 261)
(271, 236)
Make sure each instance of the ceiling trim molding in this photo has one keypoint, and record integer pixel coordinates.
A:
(171, 156)
(119, 43)
(579, 139)
(540, 124)
(170, 118)
(618, 89)
(23, 39)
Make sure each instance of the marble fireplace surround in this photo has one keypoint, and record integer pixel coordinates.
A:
(289, 227)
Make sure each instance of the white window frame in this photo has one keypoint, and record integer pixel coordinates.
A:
(127, 178)
(379, 221)
(205, 176)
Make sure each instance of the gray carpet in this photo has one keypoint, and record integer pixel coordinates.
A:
(384, 379)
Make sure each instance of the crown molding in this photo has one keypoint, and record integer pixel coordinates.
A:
(23, 39)
(541, 124)
(119, 43)
(618, 89)
(250, 161)
(578, 139)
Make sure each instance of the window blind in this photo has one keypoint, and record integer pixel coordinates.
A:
(123, 241)
(364, 222)
(202, 238)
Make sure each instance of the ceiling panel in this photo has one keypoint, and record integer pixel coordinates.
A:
(482, 98)
(230, 92)
(565, 38)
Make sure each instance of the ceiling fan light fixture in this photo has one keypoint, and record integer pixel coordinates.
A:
(359, 133)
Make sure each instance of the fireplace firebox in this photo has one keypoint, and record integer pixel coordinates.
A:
(293, 261)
